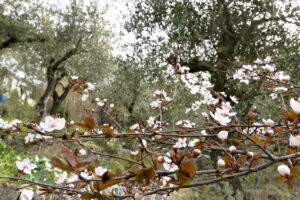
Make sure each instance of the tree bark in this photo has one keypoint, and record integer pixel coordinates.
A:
(54, 65)
(57, 100)
(41, 107)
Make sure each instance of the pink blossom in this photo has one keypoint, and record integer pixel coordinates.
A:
(139, 195)
(197, 152)
(221, 116)
(294, 141)
(86, 175)
(165, 180)
(100, 171)
(234, 99)
(175, 147)
(269, 122)
(61, 178)
(193, 142)
(160, 159)
(50, 124)
(181, 143)
(84, 97)
(295, 105)
(169, 165)
(222, 135)
(284, 170)
(90, 86)
(72, 179)
(25, 166)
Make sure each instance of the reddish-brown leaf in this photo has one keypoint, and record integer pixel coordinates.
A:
(70, 157)
(280, 179)
(269, 140)
(107, 131)
(81, 125)
(136, 169)
(256, 139)
(253, 163)
(57, 163)
(241, 158)
(89, 121)
(188, 168)
(295, 171)
(182, 177)
(145, 175)
(81, 165)
(278, 130)
(227, 159)
(87, 196)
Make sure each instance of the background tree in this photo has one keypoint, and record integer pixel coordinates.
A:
(216, 36)
(77, 44)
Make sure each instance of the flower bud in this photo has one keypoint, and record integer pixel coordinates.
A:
(175, 147)
(157, 137)
(269, 132)
(284, 170)
(196, 152)
(144, 146)
(139, 195)
(232, 149)
(160, 159)
(250, 155)
(221, 163)
(222, 135)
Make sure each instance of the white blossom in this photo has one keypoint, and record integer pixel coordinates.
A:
(50, 124)
(100, 171)
(169, 165)
(25, 166)
(269, 122)
(82, 152)
(193, 142)
(294, 141)
(86, 175)
(61, 178)
(295, 105)
(181, 143)
(29, 138)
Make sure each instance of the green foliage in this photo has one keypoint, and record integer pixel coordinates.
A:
(8, 159)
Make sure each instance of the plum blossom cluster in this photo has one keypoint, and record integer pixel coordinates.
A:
(30, 138)
(185, 123)
(102, 102)
(161, 98)
(172, 164)
(8, 125)
(51, 124)
(153, 123)
(87, 87)
(223, 115)
(262, 69)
